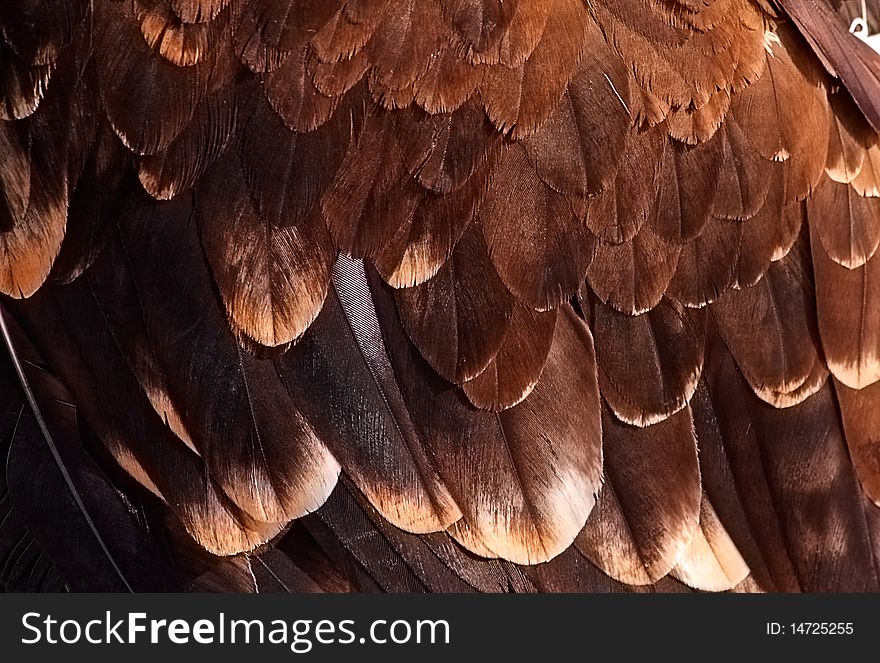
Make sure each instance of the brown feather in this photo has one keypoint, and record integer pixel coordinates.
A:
(183, 44)
(711, 561)
(342, 359)
(273, 279)
(520, 99)
(592, 119)
(849, 137)
(170, 172)
(632, 277)
(771, 330)
(517, 366)
(707, 264)
(848, 225)
(688, 185)
(198, 11)
(147, 99)
(649, 507)
(269, 31)
(538, 245)
(745, 176)
(649, 364)
(443, 151)
(458, 319)
(849, 315)
(860, 412)
(618, 214)
(293, 95)
(422, 243)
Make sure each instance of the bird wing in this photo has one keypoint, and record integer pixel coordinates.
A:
(501, 295)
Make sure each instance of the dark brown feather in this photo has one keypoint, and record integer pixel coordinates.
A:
(458, 319)
(771, 330)
(849, 315)
(649, 364)
(632, 277)
(272, 278)
(538, 245)
(517, 366)
(649, 507)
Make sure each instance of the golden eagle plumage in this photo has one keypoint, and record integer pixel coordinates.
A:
(439, 295)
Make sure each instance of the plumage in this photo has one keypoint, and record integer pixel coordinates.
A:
(844, 302)
(528, 226)
(781, 360)
(465, 302)
(649, 364)
(439, 295)
(517, 366)
(639, 529)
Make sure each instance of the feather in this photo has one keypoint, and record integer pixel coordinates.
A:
(706, 266)
(23, 86)
(797, 484)
(444, 151)
(539, 247)
(170, 172)
(711, 561)
(566, 462)
(649, 507)
(771, 112)
(341, 360)
(148, 100)
(403, 44)
(458, 319)
(745, 176)
(849, 319)
(688, 184)
(849, 137)
(269, 31)
(69, 327)
(272, 279)
(269, 572)
(632, 277)
(288, 172)
(779, 359)
(521, 99)
(270, 463)
(848, 225)
(698, 125)
(843, 55)
(547, 482)
(618, 214)
(448, 82)
(425, 240)
(738, 505)
(58, 22)
(649, 364)
(198, 11)
(592, 118)
(77, 517)
(294, 97)
(336, 78)
(769, 235)
(347, 32)
(183, 44)
(517, 366)
(102, 192)
(29, 248)
(860, 415)
(480, 24)
(15, 174)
